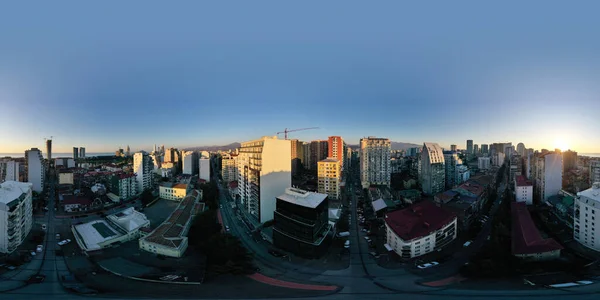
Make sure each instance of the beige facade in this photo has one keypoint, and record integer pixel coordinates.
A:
(375, 163)
(229, 167)
(65, 178)
(329, 177)
(172, 191)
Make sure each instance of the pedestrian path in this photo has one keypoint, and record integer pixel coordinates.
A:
(291, 285)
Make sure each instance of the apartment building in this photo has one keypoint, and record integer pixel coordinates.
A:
(204, 166)
(569, 160)
(548, 175)
(143, 168)
(306, 159)
(264, 172)
(124, 186)
(587, 208)
(297, 155)
(9, 170)
(483, 163)
(419, 229)
(375, 164)
(15, 214)
(594, 171)
(329, 177)
(523, 190)
(433, 169)
(36, 170)
(318, 152)
(189, 161)
(451, 161)
(229, 167)
(469, 146)
(336, 149)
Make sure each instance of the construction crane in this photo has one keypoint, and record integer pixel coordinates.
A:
(285, 131)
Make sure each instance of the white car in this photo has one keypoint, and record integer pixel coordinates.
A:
(32, 253)
(43, 226)
(428, 265)
(64, 242)
(39, 248)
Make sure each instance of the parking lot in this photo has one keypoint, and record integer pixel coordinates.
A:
(159, 211)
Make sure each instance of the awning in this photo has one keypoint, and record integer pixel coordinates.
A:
(388, 247)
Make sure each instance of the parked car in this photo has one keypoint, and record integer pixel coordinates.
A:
(43, 226)
(64, 242)
(39, 248)
(58, 236)
(32, 253)
(467, 243)
(347, 244)
(428, 265)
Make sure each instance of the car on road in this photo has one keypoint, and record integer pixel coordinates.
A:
(32, 253)
(43, 226)
(347, 244)
(428, 265)
(39, 248)
(467, 244)
(227, 228)
(64, 242)
(57, 236)
(36, 279)
(277, 253)
(221, 206)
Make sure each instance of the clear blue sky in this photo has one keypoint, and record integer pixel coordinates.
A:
(186, 73)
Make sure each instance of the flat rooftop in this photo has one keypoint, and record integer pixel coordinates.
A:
(592, 195)
(95, 232)
(302, 197)
(12, 190)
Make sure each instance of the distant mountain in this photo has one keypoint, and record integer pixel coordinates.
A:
(395, 146)
(231, 146)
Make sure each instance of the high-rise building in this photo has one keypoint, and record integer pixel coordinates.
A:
(451, 160)
(297, 155)
(170, 155)
(453, 148)
(336, 145)
(16, 214)
(521, 149)
(36, 171)
(329, 177)
(594, 171)
(433, 170)
(229, 167)
(587, 203)
(476, 149)
(485, 149)
(302, 223)
(128, 151)
(569, 160)
(470, 146)
(375, 164)
(204, 166)
(306, 159)
(75, 153)
(483, 163)
(143, 168)
(264, 172)
(82, 152)
(189, 159)
(548, 175)
(49, 150)
(318, 152)
(124, 185)
(9, 170)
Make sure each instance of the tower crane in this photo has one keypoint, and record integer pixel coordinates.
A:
(285, 131)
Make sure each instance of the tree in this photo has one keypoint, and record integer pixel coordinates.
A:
(205, 225)
(210, 194)
(146, 197)
(342, 224)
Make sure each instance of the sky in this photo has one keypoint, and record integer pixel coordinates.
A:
(109, 74)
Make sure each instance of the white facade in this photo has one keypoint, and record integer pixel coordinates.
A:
(421, 245)
(229, 167)
(9, 170)
(142, 167)
(548, 177)
(586, 209)
(125, 186)
(36, 172)
(204, 166)
(462, 174)
(187, 158)
(375, 164)
(15, 214)
(264, 172)
(523, 191)
(594, 171)
(483, 163)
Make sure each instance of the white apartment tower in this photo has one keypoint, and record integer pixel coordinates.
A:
(484, 163)
(142, 167)
(15, 214)
(594, 171)
(36, 171)
(188, 162)
(264, 172)
(9, 170)
(433, 171)
(586, 209)
(548, 175)
(375, 161)
(204, 166)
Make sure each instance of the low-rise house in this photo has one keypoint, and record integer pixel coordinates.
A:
(562, 207)
(419, 229)
(527, 242)
(173, 191)
(76, 203)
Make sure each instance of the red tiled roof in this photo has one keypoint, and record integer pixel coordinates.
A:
(233, 184)
(200, 180)
(124, 175)
(526, 238)
(418, 220)
(472, 187)
(180, 186)
(522, 181)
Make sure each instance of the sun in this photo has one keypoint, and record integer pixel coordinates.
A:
(561, 144)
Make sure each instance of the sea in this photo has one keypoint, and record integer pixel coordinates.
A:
(55, 155)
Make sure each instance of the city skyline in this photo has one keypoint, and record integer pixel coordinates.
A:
(463, 76)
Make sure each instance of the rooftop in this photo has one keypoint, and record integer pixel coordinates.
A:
(591, 195)
(302, 197)
(379, 205)
(418, 220)
(233, 184)
(523, 181)
(329, 160)
(129, 219)
(436, 155)
(93, 233)
(526, 238)
(170, 232)
(12, 190)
